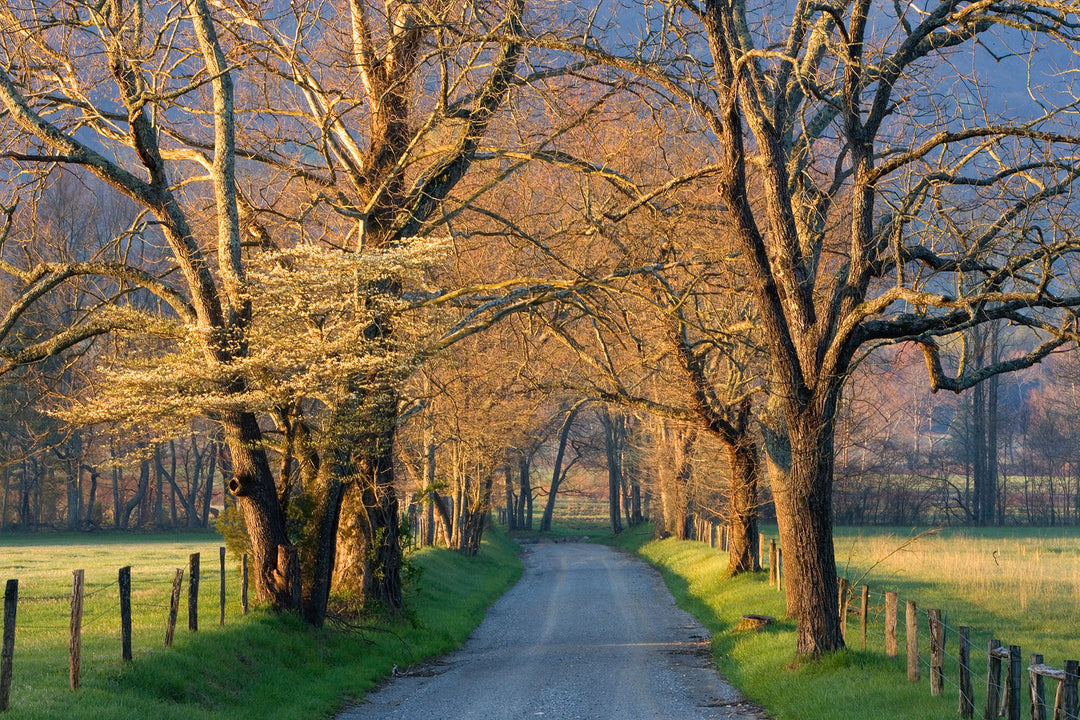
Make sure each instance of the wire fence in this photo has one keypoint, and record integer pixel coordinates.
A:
(106, 609)
(1005, 692)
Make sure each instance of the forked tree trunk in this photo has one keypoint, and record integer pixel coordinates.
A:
(557, 473)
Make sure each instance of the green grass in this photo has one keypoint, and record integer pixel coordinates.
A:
(1020, 585)
(575, 516)
(258, 666)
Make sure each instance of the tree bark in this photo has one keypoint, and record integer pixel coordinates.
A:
(253, 485)
(802, 493)
(382, 566)
(742, 519)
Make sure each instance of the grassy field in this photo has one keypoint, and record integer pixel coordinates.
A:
(1019, 585)
(258, 666)
(575, 516)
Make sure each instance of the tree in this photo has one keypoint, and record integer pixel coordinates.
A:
(349, 138)
(859, 198)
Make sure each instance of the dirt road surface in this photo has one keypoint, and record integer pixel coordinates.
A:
(588, 633)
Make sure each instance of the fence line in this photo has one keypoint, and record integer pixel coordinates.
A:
(78, 621)
(930, 629)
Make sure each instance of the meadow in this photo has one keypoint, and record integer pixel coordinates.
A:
(255, 666)
(1020, 585)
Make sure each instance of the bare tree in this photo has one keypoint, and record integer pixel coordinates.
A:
(858, 196)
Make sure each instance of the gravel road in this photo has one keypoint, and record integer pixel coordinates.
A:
(588, 632)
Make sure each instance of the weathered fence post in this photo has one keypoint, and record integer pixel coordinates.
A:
(244, 583)
(1013, 683)
(842, 602)
(221, 557)
(174, 606)
(761, 549)
(937, 652)
(193, 593)
(1069, 700)
(772, 563)
(967, 702)
(7, 655)
(1036, 688)
(891, 647)
(912, 637)
(124, 583)
(863, 612)
(75, 644)
(993, 678)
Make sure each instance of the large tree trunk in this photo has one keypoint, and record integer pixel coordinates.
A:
(253, 485)
(742, 519)
(382, 566)
(320, 565)
(802, 492)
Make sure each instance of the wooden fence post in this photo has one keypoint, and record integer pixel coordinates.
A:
(193, 593)
(1014, 684)
(912, 637)
(842, 602)
(967, 703)
(75, 645)
(11, 601)
(993, 679)
(772, 563)
(221, 557)
(244, 583)
(937, 652)
(124, 582)
(174, 606)
(863, 612)
(1069, 700)
(892, 649)
(1036, 688)
(761, 549)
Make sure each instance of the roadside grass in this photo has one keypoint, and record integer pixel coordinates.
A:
(256, 666)
(1020, 585)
